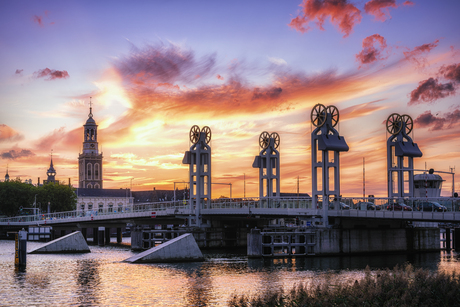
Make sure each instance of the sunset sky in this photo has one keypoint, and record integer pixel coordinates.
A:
(156, 68)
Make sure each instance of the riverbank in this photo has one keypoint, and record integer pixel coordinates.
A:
(401, 286)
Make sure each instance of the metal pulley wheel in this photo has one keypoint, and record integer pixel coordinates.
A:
(318, 115)
(409, 123)
(334, 114)
(207, 130)
(276, 139)
(394, 123)
(194, 134)
(264, 139)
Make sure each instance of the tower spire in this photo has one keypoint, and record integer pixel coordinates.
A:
(90, 108)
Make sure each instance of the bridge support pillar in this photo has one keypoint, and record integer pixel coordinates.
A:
(448, 239)
(456, 239)
(136, 238)
(101, 235)
(85, 234)
(254, 243)
(95, 236)
(107, 235)
(119, 236)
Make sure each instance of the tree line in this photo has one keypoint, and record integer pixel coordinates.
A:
(17, 196)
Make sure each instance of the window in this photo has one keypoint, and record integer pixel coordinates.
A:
(89, 186)
(120, 208)
(82, 206)
(89, 167)
(110, 208)
(96, 171)
(97, 186)
(90, 206)
(101, 207)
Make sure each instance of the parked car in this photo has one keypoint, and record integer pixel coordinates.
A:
(343, 206)
(398, 207)
(431, 206)
(368, 205)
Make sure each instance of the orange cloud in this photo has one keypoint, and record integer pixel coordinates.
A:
(380, 8)
(8, 134)
(370, 53)
(340, 12)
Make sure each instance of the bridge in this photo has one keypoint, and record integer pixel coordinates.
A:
(177, 212)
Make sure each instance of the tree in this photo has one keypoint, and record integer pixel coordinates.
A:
(60, 197)
(15, 194)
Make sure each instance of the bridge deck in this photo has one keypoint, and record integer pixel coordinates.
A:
(250, 207)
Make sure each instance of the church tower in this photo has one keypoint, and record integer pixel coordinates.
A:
(7, 177)
(51, 173)
(90, 161)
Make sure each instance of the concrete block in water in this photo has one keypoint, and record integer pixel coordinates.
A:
(71, 243)
(180, 249)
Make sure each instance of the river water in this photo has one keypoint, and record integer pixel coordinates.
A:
(100, 278)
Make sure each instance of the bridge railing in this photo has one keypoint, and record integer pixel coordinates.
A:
(437, 204)
(345, 203)
(262, 203)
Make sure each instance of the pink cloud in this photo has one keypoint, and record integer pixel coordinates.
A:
(449, 120)
(380, 9)
(16, 154)
(415, 55)
(431, 90)
(38, 20)
(370, 52)
(341, 13)
(409, 3)
(451, 72)
(8, 134)
(164, 64)
(51, 74)
(220, 77)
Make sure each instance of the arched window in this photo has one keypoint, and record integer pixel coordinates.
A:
(92, 134)
(97, 186)
(89, 186)
(89, 168)
(96, 171)
(87, 135)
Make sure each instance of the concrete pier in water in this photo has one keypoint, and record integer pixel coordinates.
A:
(71, 243)
(180, 249)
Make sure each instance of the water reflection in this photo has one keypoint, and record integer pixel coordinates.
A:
(100, 279)
(88, 282)
(199, 285)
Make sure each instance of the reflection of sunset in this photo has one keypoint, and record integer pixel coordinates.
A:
(150, 83)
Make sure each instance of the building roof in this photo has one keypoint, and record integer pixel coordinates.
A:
(83, 192)
(428, 177)
(156, 195)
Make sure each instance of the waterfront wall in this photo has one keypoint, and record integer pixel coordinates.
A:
(324, 242)
(365, 241)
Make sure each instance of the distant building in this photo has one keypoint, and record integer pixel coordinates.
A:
(90, 160)
(7, 177)
(93, 201)
(150, 196)
(51, 174)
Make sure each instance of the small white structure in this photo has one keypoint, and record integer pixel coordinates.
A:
(427, 185)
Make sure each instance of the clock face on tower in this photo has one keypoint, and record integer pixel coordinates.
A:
(92, 145)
